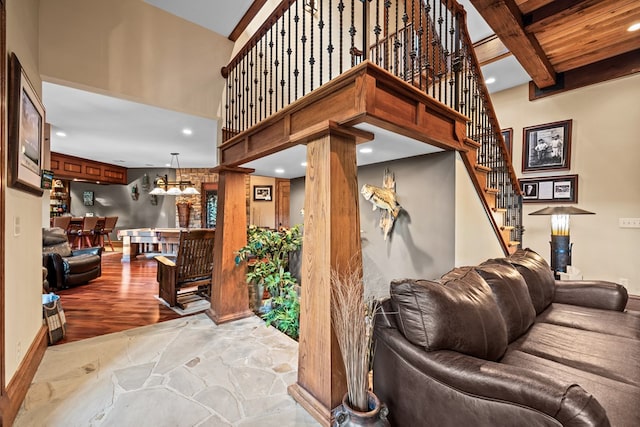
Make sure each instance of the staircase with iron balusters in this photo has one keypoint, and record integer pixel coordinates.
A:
(425, 43)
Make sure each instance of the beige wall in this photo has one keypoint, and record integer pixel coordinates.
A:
(476, 241)
(262, 213)
(23, 276)
(605, 154)
(132, 50)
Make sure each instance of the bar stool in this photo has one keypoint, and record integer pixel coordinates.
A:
(107, 229)
(88, 231)
(61, 221)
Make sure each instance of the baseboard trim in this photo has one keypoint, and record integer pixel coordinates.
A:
(17, 388)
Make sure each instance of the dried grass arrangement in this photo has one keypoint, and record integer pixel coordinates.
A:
(352, 320)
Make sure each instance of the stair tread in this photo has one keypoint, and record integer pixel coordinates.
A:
(502, 210)
(491, 190)
(483, 168)
(507, 227)
(514, 243)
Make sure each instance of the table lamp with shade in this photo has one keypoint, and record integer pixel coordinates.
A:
(560, 243)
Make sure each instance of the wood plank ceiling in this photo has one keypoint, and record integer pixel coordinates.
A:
(567, 42)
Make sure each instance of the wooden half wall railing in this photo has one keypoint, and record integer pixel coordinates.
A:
(422, 42)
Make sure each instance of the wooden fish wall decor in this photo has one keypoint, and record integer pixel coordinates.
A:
(384, 198)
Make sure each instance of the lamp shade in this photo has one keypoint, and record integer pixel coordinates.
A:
(158, 191)
(174, 191)
(562, 210)
(190, 191)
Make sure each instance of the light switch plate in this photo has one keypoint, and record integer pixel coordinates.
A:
(629, 222)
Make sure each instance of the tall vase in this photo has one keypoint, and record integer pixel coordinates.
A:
(184, 213)
(345, 416)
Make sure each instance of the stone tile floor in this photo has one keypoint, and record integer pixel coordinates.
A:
(183, 372)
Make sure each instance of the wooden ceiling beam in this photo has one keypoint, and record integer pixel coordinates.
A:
(611, 68)
(490, 49)
(505, 19)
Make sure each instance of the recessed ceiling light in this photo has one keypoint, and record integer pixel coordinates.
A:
(187, 131)
(366, 150)
(279, 170)
(168, 165)
(490, 80)
(60, 133)
(634, 27)
(303, 164)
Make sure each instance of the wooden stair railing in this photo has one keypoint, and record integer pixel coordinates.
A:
(423, 42)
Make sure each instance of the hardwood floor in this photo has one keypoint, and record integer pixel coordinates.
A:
(122, 298)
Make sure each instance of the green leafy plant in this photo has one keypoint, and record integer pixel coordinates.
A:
(267, 256)
(286, 313)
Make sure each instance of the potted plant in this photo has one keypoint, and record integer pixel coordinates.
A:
(267, 255)
(352, 319)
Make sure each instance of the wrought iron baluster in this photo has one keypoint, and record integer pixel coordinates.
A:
(330, 48)
(312, 59)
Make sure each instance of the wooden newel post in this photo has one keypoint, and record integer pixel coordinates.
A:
(229, 295)
(331, 240)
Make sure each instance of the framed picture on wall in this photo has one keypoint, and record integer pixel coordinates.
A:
(25, 131)
(87, 197)
(262, 193)
(507, 135)
(550, 189)
(547, 147)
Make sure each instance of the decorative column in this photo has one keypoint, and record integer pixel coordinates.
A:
(229, 295)
(331, 240)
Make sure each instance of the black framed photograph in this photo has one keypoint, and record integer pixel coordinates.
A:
(87, 197)
(550, 189)
(26, 119)
(262, 193)
(507, 135)
(547, 147)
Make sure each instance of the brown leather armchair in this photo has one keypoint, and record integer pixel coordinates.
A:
(68, 267)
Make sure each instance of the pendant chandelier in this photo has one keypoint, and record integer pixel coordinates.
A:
(164, 187)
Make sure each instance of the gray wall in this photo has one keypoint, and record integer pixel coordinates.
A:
(115, 200)
(422, 243)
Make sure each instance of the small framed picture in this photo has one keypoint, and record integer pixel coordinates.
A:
(547, 147)
(262, 193)
(507, 135)
(550, 189)
(87, 197)
(530, 190)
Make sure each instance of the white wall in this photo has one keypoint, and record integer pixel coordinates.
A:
(23, 276)
(132, 50)
(605, 154)
(476, 241)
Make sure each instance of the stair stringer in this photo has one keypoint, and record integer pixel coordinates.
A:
(478, 175)
(475, 237)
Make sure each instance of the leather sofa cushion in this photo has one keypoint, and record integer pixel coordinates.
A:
(592, 319)
(620, 399)
(538, 276)
(461, 316)
(511, 294)
(53, 236)
(62, 249)
(613, 357)
(80, 263)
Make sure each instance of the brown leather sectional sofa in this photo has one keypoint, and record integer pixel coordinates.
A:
(504, 344)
